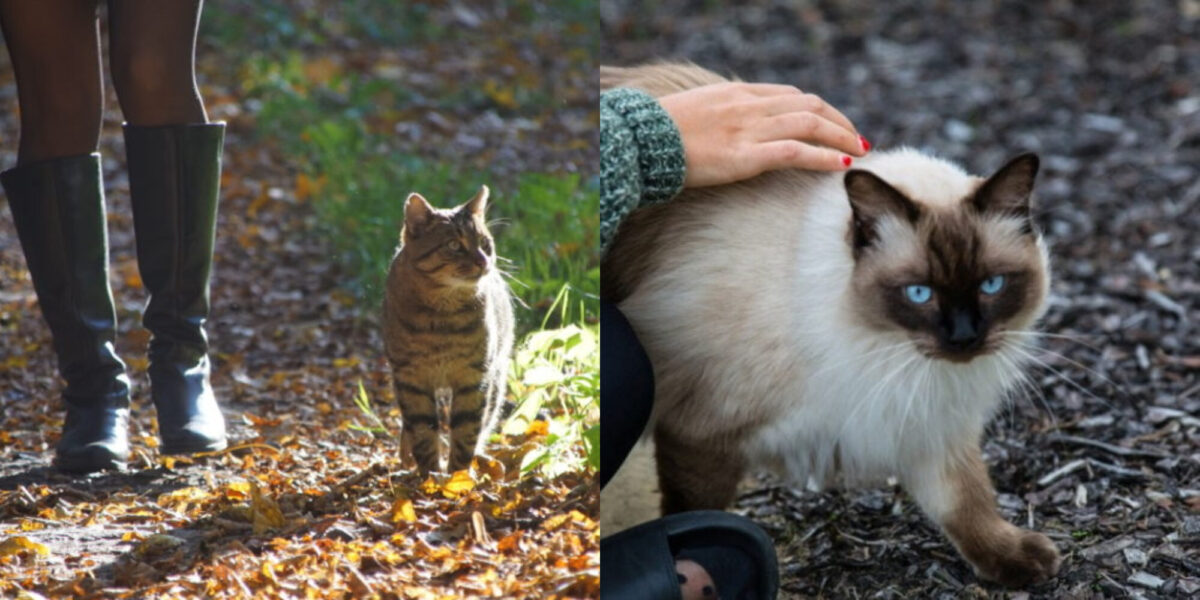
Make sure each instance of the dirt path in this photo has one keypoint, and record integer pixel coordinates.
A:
(304, 504)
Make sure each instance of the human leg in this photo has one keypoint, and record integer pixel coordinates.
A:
(626, 390)
(55, 52)
(152, 49)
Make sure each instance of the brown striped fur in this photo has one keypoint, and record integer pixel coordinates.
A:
(448, 331)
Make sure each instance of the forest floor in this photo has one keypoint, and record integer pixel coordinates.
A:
(1104, 456)
(304, 503)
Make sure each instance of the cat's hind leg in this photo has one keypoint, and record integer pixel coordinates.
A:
(957, 493)
(694, 474)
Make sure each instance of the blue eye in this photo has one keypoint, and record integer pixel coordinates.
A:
(918, 294)
(992, 285)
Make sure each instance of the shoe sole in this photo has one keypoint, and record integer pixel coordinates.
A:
(182, 449)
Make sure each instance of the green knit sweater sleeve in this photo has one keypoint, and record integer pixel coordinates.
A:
(641, 157)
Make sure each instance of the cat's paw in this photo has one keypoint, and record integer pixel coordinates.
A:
(1030, 558)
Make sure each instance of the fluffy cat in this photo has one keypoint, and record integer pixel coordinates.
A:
(447, 330)
(838, 328)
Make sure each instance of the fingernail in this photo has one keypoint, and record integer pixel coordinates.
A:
(865, 144)
(846, 160)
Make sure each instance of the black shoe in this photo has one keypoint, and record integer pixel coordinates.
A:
(174, 180)
(58, 209)
(639, 563)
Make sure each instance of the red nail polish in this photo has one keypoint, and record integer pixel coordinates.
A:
(846, 160)
(865, 144)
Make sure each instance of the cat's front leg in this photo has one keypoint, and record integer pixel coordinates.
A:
(696, 474)
(956, 492)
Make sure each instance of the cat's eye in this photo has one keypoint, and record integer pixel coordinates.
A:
(918, 294)
(454, 245)
(992, 284)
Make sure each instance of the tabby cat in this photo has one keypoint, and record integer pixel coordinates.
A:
(448, 331)
(838, 328)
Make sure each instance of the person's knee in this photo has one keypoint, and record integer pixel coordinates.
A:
(154, 90)
(624, 358)
(59, 125)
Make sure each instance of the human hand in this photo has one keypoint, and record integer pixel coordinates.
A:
(733, 131)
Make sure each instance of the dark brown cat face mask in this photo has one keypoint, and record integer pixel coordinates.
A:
(954, 277)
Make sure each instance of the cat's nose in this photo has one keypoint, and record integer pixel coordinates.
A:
(963, 330)
(481, 259)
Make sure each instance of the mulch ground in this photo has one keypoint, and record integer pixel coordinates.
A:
(303, 504)
(1104, 456)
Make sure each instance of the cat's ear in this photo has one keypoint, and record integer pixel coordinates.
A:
(477, 205)
(1007, 192)
(871, 199)
(417, 212)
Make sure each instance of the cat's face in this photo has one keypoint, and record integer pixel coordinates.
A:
(955, 276)
(451, 246)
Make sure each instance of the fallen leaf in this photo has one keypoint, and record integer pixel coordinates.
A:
(157, 545)
(459, 484)
(267, 515)
(19, 544)
(403, 510)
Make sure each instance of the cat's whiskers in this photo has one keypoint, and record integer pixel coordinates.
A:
(833, 365)
(873, 396)
(919, 390)
(1026, 384)
(1025, 334)
(1028, 352)
(1006, 408)
(1069, 360)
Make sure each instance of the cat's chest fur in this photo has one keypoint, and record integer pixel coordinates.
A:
(441, 335)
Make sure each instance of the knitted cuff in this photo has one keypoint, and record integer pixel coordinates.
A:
(659, 147)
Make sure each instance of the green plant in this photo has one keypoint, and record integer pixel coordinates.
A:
(557, 371)
(375, 425)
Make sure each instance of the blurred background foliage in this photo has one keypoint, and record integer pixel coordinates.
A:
(364, 127)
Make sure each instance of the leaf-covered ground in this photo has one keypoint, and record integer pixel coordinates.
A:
(1104, 455)
(303, 504)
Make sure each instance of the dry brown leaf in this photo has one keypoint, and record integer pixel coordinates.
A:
(267, 515)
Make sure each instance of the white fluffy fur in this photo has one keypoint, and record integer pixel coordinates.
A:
(775, 337)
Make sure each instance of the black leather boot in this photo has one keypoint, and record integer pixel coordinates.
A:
(174, 180)
(58, 208)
